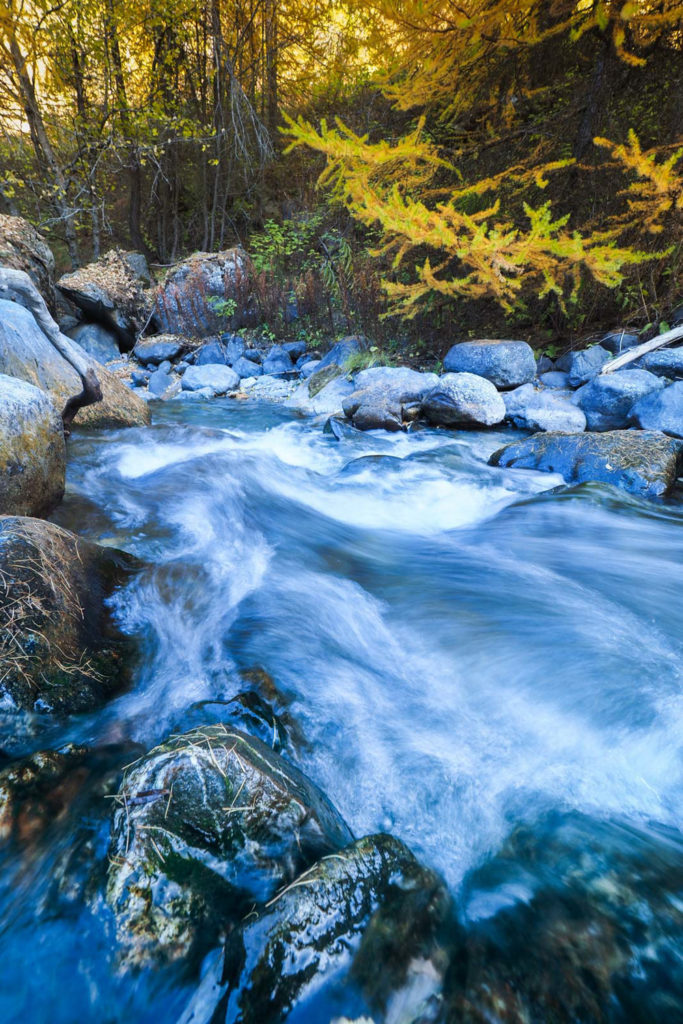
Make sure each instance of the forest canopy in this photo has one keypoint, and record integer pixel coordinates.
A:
(526, 154)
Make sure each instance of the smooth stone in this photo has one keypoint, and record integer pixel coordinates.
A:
(340, 353)
(661, 410)
(97, 341)
(223, 822)
(530, 409)
(370, 911)
(619, 341)
(212, 352)
(665, 362)
(253, 354)
(277, 361)
(59, 645)
(32, 450)
(216, 377)
(159, 382)
(381, 395)
(643, 462)
(608, 399)
(325, 402)
(296, 349)
(397, 379)
(234, 347)
(463, 399)
(268, 388)
(583, 365)
(554, 379)
(26, 353)
(153, 351)
(507, 364)
(309, 368)
(245, 368)
(140, 377)
(544, 364)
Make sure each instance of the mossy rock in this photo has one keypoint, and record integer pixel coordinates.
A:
(59, 647)
(32, 450)
(206, 825)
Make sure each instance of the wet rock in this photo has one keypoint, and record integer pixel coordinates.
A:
(667, 362)
(188, 302)
(59, 647)
(97, 341)
(530, 409)
(245, 368)
(554, 379)
(217, 377)
(339, 354)
(640, 461)
(26, 353)
(608, 399)
(157, 349)
(24, 248)
(661, 410)
(340, 429)
(381, 395)
(370, 912)
(507, 364)
(35, 790)
(278, 361)
(619, 341)
(583, 365)
(461, 400)
(572, 921)
(32, 450)
(322, 401)
(206, 824)
(109, 292)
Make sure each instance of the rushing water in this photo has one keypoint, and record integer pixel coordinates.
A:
(466, 651)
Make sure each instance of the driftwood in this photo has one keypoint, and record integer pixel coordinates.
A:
(18, 286)
(640, 350)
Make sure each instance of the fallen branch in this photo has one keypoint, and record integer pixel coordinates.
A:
(18, 286)
(640, 350)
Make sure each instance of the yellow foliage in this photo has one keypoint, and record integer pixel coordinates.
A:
(658, 192)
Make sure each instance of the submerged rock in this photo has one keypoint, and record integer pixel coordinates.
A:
(530, 409)
(206, 824)
(59, 648)
(32, 450)
(640, 461)
(370, 911)
(36, 789)
(608, 399)
(507, 364)
(463, 400)
(26, 353)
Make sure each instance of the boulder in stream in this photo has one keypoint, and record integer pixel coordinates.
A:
(583, 365)
(661, 410)
(381, 394)
(59, 648)
(640, 461)
(32, 450)
(207, 824)
(608, 399)
(463, 400)
(371, 912)
(507, 364)
(530, 409)
(217, 377)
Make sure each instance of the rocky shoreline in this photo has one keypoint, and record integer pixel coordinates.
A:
(218, 844)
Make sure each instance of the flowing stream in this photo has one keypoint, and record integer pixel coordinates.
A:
(464, 651)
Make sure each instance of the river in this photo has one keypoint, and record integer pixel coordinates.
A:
(469, 655)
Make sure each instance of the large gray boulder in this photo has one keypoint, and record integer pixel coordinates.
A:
(32, 450)
(640, 461)
(608, 399)
(530, 409)
(26, 353)
(370, 913)
(244, 367)
(666, 362)
(59, 647)
(189, 300)
(326, 400)
(507, 364)
(382, 393)
(463, 400)
(342, 350)
(110, 292)
(24, 248)
(661, 410)
(218, 377)
(583, 365)
(97, 341)
(206, 825)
